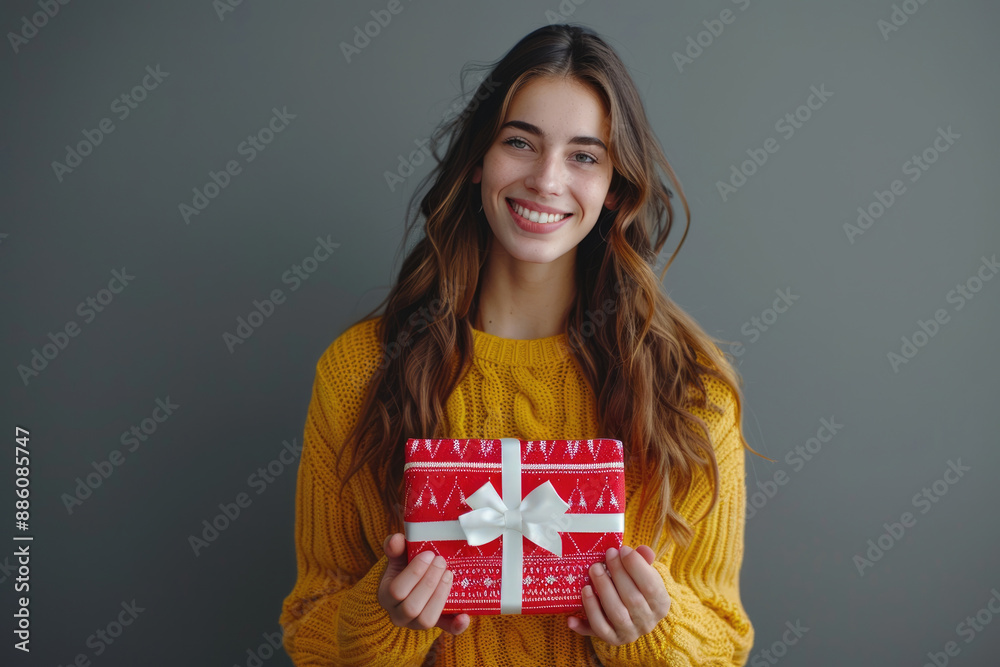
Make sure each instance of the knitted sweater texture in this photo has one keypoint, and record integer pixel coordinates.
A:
(529, 389)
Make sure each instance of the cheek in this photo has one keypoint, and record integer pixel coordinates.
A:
(492, 170)
(502, 171)
(594, 195)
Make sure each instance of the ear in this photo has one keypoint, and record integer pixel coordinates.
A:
(611, 201)
(477, 174)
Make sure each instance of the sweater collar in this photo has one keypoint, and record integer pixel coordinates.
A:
(515, 352)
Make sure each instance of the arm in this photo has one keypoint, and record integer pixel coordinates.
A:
(706, 623)
(332, 615)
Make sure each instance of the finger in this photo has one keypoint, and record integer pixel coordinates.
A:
(428, 618)
(417, 599)
(456, 624)
(647, 553)
(395, 551)
(394, 548)
(649, 583)
(633, 599)
(410, 576)
(611, 604)
(598, 624)
(580, 626)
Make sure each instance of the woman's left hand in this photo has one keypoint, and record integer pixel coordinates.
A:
(630, 597)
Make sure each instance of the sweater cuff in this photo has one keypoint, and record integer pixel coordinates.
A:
(682, 637)
(367, 636)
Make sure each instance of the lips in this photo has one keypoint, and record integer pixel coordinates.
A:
(531, 211)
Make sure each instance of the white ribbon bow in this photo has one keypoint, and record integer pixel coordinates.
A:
(538, 517)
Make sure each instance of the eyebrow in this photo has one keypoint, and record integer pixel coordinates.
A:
(534, 129)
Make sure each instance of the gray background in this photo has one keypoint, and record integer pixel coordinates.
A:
(825, 357)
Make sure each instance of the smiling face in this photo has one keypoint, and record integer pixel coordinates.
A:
(546, 175)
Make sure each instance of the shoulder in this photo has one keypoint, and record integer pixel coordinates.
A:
(720, 409)
(351, 359)
(718, 392)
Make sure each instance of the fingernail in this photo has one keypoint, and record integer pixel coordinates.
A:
(626, 551)
(599, 569)
(426, 556)
(439, 561)
(612, 552)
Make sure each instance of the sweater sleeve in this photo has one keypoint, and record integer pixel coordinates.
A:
(332, 616)
(706, 623)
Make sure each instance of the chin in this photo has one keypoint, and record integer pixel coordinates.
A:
(540, 256)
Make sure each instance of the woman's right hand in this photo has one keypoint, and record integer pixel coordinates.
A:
(414, 593)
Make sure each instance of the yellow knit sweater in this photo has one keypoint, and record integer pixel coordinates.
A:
(530, 389)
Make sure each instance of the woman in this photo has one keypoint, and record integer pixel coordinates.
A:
(530, 309)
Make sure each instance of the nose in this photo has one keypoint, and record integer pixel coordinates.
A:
(547, 176)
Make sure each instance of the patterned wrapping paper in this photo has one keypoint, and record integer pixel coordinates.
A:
(519, 522)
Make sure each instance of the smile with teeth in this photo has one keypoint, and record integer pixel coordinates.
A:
(535, 216)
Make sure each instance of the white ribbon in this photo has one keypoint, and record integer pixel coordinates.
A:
(536, 517)
(540, 516)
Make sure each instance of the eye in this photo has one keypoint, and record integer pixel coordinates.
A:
(515, 140)
(591, 158)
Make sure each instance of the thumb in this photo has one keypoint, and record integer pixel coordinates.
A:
(395, 550)
(456, 624)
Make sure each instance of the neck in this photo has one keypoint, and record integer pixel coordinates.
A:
(525, 300)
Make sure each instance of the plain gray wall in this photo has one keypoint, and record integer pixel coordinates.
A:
(825, 357)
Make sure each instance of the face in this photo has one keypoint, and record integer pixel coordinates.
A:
(546, 176)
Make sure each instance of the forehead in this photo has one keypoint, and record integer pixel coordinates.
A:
(561, 106)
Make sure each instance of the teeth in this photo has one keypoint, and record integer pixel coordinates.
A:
(535, 216)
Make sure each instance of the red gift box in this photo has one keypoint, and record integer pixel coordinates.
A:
(519, 522)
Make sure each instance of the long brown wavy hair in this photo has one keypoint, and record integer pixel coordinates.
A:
(641, 363)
